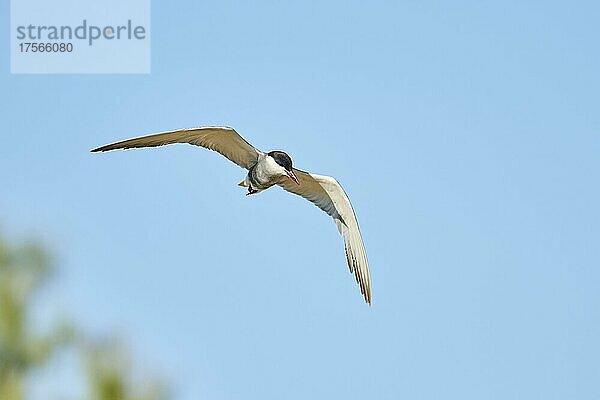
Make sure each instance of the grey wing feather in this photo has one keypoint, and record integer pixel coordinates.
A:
(327, 194)
(223, 140)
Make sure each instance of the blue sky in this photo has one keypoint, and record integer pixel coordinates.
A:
(465, 134)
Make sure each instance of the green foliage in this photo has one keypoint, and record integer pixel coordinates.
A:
(109, 375)
(24, 270)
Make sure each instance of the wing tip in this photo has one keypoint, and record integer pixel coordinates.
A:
(367, 296)
(106, 147)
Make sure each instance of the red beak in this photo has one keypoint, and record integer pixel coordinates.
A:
(292, 176)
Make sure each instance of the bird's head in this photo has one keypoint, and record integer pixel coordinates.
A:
(284, 161)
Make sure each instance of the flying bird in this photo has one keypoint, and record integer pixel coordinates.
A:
(269, 169)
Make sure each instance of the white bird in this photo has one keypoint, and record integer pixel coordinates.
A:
(274, 168)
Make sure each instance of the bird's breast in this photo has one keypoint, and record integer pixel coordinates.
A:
(265, 173)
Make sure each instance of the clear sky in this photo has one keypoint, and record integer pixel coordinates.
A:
(465, 134)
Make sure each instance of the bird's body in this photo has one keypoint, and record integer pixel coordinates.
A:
(264, 174)
(274, 168)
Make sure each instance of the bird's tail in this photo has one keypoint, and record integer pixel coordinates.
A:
(243, 183)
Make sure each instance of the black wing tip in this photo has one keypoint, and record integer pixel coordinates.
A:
(107, 147)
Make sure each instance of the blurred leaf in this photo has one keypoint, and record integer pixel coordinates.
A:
(110, 375)
(24, 270)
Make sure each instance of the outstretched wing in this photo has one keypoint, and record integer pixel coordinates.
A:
(327, 194)
(220, 139)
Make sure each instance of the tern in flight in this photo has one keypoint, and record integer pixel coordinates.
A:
(269, 169)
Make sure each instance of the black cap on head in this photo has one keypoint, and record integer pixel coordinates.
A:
(282, 159)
